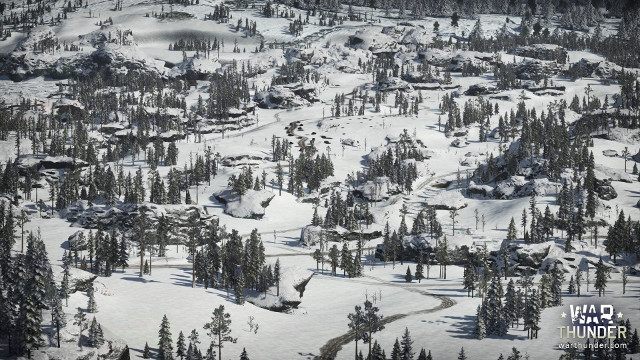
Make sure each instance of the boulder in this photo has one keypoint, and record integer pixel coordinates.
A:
(376, 190)
(250, 205)
(459, 143)
(604, 189)
(594, 69)
(311, 235)
(550, 52)
(535, 70)
(480, 89)
(479, 191)
(197, 67)
(36, 162)
(287, 96)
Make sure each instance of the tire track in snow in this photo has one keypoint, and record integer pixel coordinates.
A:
(330, 349)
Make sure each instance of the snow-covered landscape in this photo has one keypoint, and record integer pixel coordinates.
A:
(206, 179)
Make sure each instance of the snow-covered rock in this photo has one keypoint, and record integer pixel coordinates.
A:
(100, 49)
(479, 191)
(197, 67)
(287, 96)
(250, 205)
(519, 186)
(339, 57)
(245, 159)
(447, 200)
(480, 89)
(604, 189)
(550, 52)
(311, 235)
(378, 189)
(37, 162)
(595, 69)
(372, 39)
(459, 143)
(535, 70)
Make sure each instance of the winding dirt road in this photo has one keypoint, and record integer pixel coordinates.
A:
(330, 349)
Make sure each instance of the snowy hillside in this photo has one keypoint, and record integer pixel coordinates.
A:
(205, 179)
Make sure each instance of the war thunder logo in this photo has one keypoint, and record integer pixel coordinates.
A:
(591, 321)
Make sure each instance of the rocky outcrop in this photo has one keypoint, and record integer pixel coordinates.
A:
(376, 190)
(535, 70)
(287, 96)
(35, 162)
(550, 52)
(250, 205)
(604, 189)
(197, 67)
(480, 89)
(595, 69)
(100, 52)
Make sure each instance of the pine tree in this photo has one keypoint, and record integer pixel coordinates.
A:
(634, 343)
(422, 355)
(419, 275)
(557, 278)
(345, 260)
(356, 324)
(123, 255)
(95, 337)
(396, 353)
(493, 307)
(146, 353)
(469, 278)
(511, 303)
(91, 301)
(461, 354)
(572, 286)
(220, 329)
(515, 354)
(334, 258)
(376, 352)
(58, 317)
(407, 345)
(243, 355)
(194, 338)
(181, 346)
(481, 328)
(276, 276)
(372, 323)
(602, 274)
(165, 343)
(532, 315)
(408, 277)
(317, 256)
(64, 284)
(512, 233)
(80, 319)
